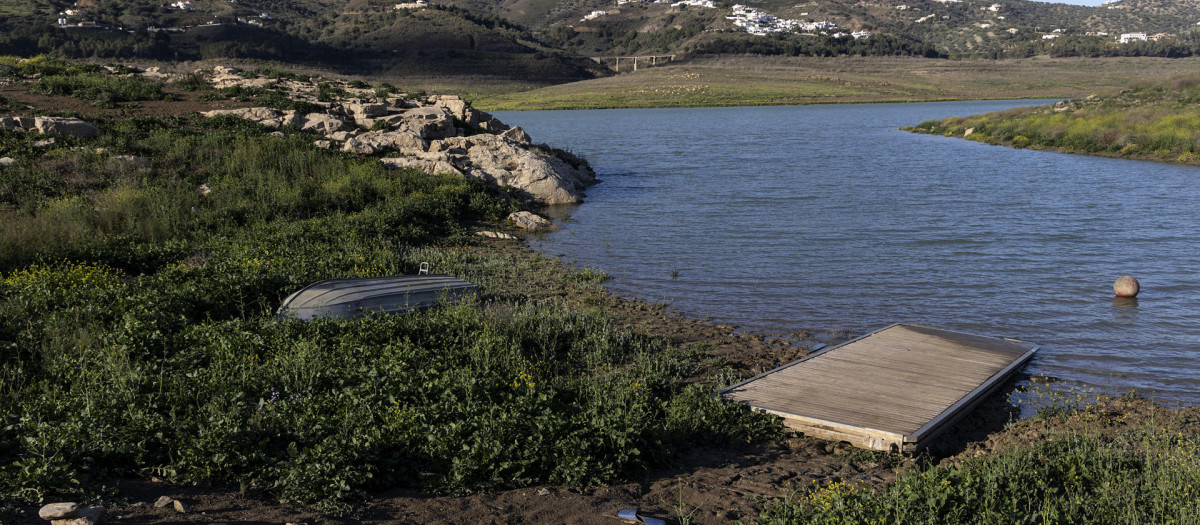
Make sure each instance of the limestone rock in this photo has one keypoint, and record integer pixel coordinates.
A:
(460, 110)
(425, 165)
(321, 123)
(516, 134)
(532, 222)
(271, 118)
(6, 161)
(16, 123)
(374, 142)
(429, 122)
(342, 136)
(132, 160)
(497, 235)
(163, 501)
(58, 511)
(363, 113)
(324, 144)
(64, 126)
(537, 176)
(84, 516)
(180, 507)
(493, 126)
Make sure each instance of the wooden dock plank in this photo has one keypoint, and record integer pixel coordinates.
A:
(894, 388)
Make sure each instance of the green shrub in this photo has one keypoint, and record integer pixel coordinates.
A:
(102, 89)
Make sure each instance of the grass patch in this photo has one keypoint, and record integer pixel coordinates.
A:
(737, 81)
(1154, 120)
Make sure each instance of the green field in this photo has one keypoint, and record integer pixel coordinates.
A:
(735, 81)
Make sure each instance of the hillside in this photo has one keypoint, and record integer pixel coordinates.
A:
(976, 28)
(547, 41)
(352, 38)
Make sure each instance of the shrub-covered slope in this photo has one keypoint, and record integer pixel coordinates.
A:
(1153, 120)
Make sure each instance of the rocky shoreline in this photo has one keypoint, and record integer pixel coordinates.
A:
(434, 133)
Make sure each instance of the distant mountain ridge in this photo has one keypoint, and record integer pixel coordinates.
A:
(549, 40)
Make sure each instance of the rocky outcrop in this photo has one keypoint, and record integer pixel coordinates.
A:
(516, 134)
(322, 123)
(374, 142)
(437, 134)
(539, 173)
(426, 165)
(459, 109)
(51, 126)
(429, 122)
(271, 118)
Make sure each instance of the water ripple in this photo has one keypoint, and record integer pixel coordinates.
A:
(828, 217)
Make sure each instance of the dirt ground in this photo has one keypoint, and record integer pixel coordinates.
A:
(21, 102)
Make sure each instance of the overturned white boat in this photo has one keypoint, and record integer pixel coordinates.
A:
(354, 297)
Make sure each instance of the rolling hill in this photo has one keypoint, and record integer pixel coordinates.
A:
(547, 41)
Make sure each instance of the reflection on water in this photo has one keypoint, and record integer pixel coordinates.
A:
(829, 218)
(1125, 301)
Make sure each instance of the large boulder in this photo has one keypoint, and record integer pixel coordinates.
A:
(382, 141)
(541, 174)
(16, 123)
(429, 122)
(64, 126)
(361, 111)
(504, 163)
(321, 123)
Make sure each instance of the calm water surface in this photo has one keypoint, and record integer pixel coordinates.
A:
(828, 218)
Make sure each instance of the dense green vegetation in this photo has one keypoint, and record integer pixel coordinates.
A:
(1157, 120)
(1077, 465)
(138, 334)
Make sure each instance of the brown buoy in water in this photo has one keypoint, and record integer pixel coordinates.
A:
(1126, 286)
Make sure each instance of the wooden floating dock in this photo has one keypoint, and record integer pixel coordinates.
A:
(893, 389)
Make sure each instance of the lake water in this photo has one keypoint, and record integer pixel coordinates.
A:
(826, 218)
